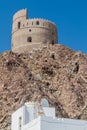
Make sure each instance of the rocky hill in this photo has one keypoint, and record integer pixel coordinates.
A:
(55, 72)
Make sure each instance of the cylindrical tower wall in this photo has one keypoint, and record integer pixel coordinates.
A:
(19, 17)
(31, 33)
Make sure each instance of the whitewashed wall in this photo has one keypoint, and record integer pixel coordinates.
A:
(31, 120)
(62, 124)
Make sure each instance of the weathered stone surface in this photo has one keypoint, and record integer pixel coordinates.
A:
(55, 72)
(29, 34)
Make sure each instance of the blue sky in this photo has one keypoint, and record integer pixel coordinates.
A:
(70, 17)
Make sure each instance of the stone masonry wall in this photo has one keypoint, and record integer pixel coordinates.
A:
(30, 33)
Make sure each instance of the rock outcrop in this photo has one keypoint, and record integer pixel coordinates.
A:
(55, 72)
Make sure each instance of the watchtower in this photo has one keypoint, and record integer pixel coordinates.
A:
(31, 33)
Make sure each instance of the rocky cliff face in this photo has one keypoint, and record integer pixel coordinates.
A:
(56, 73)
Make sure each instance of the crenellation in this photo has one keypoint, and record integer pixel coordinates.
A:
(31, 33)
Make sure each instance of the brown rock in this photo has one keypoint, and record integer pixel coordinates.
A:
(56, 73)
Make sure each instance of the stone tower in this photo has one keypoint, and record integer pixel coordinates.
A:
(31, 33)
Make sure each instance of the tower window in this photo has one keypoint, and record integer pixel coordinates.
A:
(37, 22)
(29, 30)
(19, 25)
(52, 33)
(29, 39)
(52, 42)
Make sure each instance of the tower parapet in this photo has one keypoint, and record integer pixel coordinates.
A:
(31, 33)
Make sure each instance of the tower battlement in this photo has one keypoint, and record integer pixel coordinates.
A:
(20, 14)
(31, 33)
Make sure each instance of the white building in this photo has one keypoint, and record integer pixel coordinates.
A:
(34, 117)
